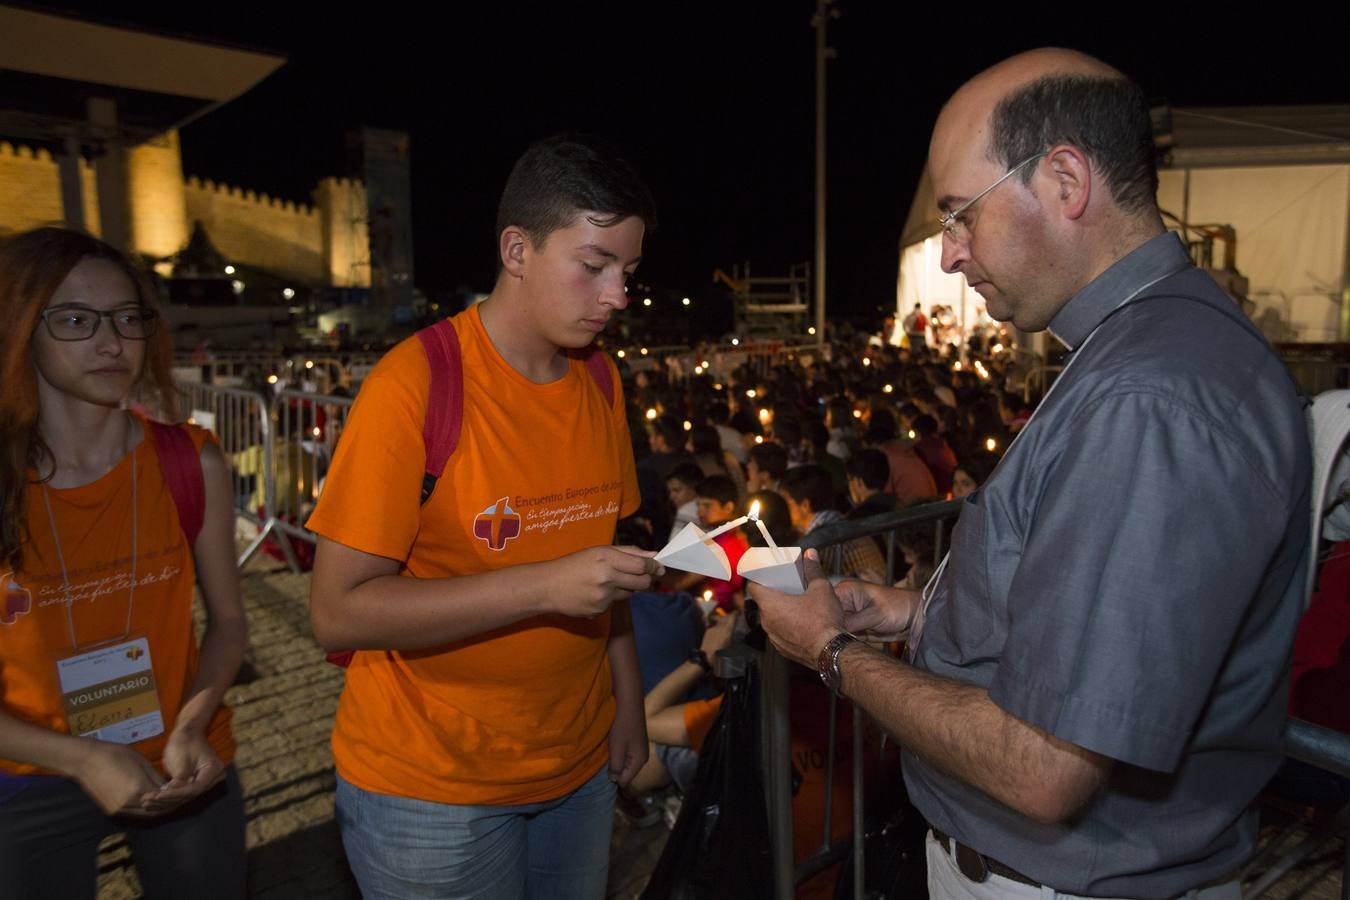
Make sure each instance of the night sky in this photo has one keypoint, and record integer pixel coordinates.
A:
(714, 102)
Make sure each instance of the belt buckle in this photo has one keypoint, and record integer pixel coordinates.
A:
(970, 862)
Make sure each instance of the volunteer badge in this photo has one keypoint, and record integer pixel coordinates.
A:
(497, 524)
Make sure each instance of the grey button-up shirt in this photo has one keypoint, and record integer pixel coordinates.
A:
(1129, 579)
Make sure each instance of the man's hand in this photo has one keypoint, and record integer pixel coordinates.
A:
(877, 611)
(800, 626)
(193, 768)
(628, 746)
(589, 581)
(119, 780)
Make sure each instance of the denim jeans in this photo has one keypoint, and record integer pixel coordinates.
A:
(399, 847)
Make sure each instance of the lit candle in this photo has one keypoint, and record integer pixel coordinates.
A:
(768, 538)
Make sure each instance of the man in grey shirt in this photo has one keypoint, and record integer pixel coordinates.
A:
(1099, 672)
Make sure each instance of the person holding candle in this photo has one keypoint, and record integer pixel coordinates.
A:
(495, 699)
(1096, 680)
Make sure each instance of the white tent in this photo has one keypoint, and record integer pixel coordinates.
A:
(1279, 176)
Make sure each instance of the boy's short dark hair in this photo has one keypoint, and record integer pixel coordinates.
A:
(672, 430)
(561, 176)
(881, 427)
(717, 487)
(686, 473)
(772, 458)
(811, 483)
(870, 466)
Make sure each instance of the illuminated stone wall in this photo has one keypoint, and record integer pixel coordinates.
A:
(30, 190)
(323, 244)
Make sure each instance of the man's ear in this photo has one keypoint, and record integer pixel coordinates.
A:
(1072, 175)
(512, 245)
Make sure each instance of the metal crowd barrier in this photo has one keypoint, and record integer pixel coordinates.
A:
(242, 420)
(306, 431)
(1326, 749)
(278, 449)
(774, 704)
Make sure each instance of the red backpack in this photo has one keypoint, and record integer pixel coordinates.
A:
(440, 431)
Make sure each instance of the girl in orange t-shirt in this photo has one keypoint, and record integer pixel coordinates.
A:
(110, 716)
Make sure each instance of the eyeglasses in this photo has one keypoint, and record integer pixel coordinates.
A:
(73, 322)
(956, 228)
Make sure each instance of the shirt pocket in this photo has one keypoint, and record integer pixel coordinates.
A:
(967, 618)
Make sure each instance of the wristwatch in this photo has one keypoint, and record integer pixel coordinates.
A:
(828, 661)
(700, 659)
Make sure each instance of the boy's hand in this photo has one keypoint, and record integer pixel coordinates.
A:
(589, 581)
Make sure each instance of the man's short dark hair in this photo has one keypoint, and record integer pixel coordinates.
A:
(871, 467)
(564, 175)
(770, 458)
(925, 425)
(1107, 118)
(717, 487)
(811, 483)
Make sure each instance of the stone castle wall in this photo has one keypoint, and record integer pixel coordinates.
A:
(30, 190)
(325, 244)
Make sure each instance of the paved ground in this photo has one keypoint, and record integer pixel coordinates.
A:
(283, 712)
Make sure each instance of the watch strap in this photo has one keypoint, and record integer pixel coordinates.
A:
(828, 662)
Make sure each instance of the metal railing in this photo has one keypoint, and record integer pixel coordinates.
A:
(828, 540)
(279, 449)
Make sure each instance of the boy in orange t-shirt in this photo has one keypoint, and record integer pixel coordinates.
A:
(495, 697)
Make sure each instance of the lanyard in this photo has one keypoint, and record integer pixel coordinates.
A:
(65, 572)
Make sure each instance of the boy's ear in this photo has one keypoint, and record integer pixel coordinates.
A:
(512, 245)
(729, 508)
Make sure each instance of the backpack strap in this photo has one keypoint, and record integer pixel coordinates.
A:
(600, 371)
(445, 400)
(182, 468)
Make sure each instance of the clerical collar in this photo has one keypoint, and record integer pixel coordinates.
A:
(1142, 267)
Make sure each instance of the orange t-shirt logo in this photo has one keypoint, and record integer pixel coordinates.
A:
(18, 601)
(497, 524)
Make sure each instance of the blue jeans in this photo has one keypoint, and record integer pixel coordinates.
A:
(399, 847)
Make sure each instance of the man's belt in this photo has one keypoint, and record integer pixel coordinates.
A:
(975, 865)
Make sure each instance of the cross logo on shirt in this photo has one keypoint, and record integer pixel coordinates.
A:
(18, 600)
(497, 524)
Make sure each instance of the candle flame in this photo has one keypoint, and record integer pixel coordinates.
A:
(754, 511)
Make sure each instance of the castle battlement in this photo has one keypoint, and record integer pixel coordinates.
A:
(23, 151)
(261, 199)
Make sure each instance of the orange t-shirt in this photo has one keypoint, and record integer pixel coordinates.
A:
(521, 714)
(93, 522)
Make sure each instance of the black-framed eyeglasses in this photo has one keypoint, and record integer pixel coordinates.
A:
(75, 322)
(955, 227)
